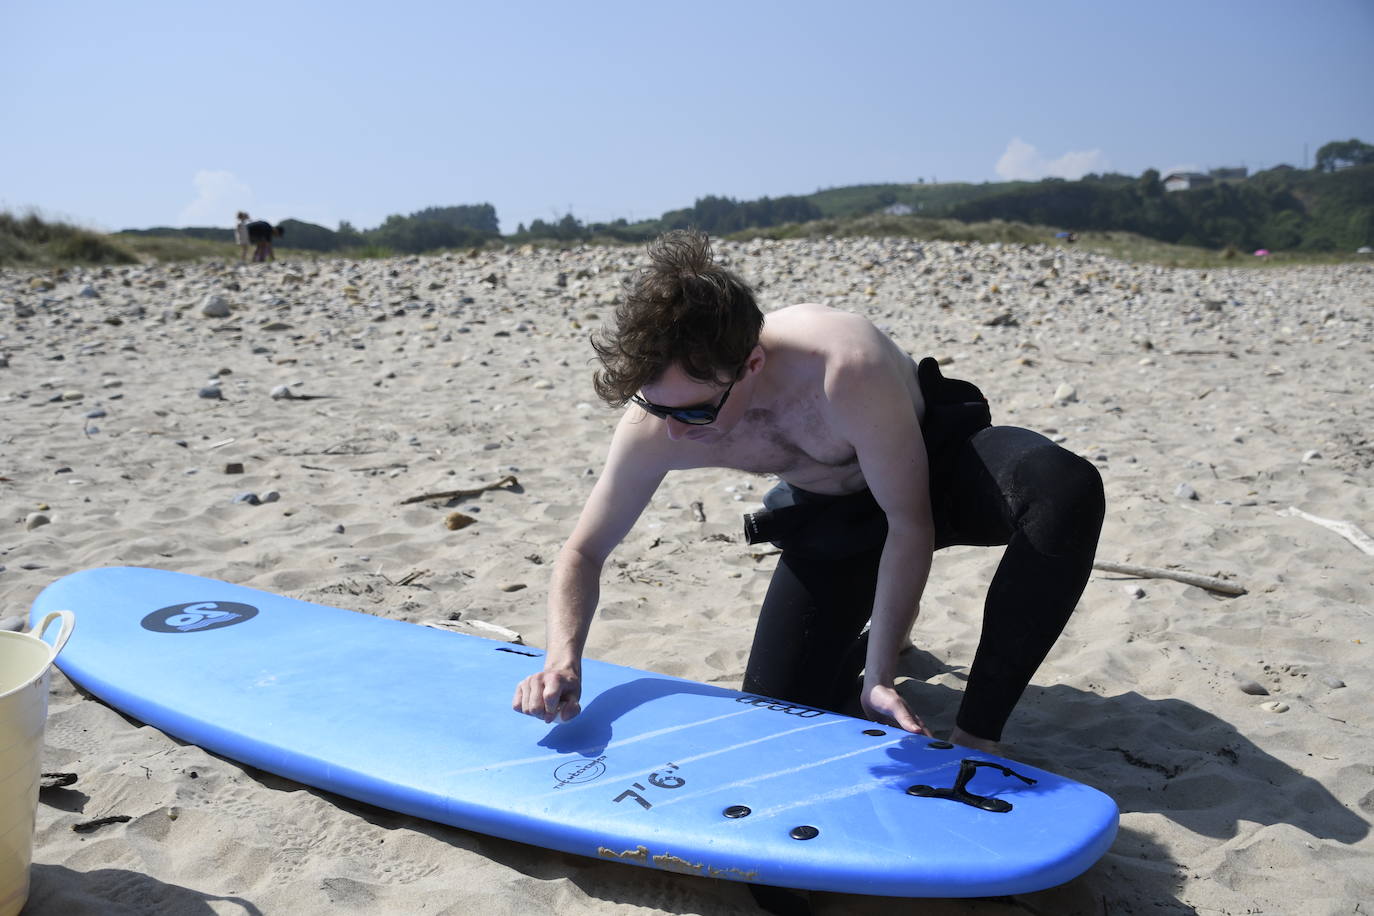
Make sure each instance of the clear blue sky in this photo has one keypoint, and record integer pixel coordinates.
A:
(136, 114)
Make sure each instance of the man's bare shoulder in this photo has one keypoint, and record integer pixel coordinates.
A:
(840, 338)
(813, 314)
(812, 318)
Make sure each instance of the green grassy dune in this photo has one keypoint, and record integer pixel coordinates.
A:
(31, 241)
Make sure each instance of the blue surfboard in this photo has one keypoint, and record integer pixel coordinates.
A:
(657, 771)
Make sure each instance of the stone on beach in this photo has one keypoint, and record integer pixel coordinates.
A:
(215, 305)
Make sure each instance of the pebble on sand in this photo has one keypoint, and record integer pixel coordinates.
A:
(214, 306)
(36, 520)
(1185, 491)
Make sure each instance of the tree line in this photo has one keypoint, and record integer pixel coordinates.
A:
(1278, 209)
(1330, 207)
(431, 229)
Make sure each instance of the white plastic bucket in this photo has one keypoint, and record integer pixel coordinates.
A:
(25, 660)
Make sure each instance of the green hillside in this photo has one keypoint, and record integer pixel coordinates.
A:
(1326, 210)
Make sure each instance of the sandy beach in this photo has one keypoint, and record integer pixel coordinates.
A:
(1212, 402)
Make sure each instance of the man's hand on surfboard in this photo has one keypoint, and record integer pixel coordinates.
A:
(549, 695)
(883, 704)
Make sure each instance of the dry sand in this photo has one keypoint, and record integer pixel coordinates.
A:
(1252, 387)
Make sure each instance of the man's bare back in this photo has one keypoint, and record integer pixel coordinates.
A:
(789, 428)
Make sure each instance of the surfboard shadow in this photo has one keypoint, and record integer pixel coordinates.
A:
(593, 729)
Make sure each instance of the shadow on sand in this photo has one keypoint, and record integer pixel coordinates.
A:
(55, 890)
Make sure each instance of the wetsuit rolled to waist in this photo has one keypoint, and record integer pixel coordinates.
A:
(836, 526)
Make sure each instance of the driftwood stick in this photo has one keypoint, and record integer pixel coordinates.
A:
(507, 481)
(1345, 529)
(413, 576)
(1153, 572)
(381, 467)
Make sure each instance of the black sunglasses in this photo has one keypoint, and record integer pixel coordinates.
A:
(696, 415)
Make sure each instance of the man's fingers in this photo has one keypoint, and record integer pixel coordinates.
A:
(529, 698)
(906, 721)
(553, 696)
(547, 696)
(911, 722)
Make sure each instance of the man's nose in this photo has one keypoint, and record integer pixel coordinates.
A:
(676, 428)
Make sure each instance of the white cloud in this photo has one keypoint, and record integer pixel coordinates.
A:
(219, 195)
(1023, 162)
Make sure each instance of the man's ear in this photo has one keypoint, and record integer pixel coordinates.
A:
(757, 357)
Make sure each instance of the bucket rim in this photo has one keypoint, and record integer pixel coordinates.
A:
(35, 635)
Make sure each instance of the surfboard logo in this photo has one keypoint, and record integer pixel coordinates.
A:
(197, 616)
(576, 772)
(805, 712)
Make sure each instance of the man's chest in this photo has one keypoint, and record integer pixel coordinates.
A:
(804, 446)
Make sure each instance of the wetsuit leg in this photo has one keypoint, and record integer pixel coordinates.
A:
(1014, 486)
(807, 648)
(1005, 485)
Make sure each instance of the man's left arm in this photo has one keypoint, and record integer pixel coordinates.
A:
(874, 410)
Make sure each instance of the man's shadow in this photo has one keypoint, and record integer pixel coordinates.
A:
(593, 729)
(1185, 763)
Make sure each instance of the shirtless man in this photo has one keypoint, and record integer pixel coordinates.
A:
(880, 464)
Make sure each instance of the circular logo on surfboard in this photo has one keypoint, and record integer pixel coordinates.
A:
(197, 616)
(576, 772)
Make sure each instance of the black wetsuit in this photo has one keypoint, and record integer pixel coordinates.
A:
(989, 485)
(260, 232)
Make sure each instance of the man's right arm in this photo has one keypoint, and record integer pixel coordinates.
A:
(634, 469)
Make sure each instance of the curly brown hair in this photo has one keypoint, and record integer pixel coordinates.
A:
(683, 308)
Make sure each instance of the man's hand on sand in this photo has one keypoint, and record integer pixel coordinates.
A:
(883, 704)
(549, 695)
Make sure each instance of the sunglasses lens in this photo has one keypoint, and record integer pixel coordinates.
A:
(704, 415)
(694, 417)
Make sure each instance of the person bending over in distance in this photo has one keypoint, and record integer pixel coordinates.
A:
(880, 460)
(260, 233)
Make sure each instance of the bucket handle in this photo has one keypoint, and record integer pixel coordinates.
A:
(68, 623)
